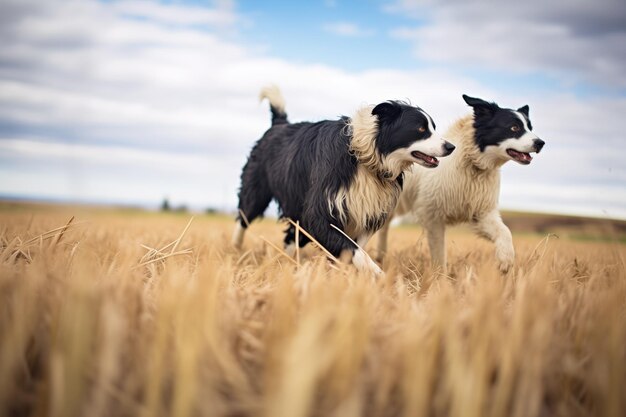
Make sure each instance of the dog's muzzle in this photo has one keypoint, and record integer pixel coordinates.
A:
(538, 144)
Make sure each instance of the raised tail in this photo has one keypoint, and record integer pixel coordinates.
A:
(277, 103)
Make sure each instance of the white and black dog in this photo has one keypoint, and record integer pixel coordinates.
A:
(345, 172)
(466, 187)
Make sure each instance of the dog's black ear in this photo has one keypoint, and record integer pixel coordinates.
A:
(524, 109)
(388, 110)
(480, 106)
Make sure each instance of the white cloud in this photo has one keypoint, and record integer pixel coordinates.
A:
(221, 16)
(115, 173)
(133, 109)
(572, 40)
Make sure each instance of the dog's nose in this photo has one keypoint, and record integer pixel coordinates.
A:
(448, 147)
(538, 144)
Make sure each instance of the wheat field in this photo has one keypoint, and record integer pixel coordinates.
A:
(128, 313)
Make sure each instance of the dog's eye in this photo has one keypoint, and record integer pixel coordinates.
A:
(422, 129)
(515, 128)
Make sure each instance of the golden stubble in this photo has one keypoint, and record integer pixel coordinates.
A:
(107, 319)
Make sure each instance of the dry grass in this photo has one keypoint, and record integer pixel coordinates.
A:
(92, 325)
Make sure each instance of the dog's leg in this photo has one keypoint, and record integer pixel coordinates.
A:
(317, 222)
(383, 235)
(359, 258)
(492, 228)
(437, 244)
(254, 197)
(290, 240)
(362, 260)
(346, 256)
(238, 233)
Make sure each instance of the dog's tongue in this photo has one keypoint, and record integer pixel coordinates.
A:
(525, 157)
(431, 160)
(522, 157)
(426, 158)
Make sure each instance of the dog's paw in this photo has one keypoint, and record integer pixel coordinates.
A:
(505, 255)
(364, 263)
(505, 267)
(505, 263)
(376, 271)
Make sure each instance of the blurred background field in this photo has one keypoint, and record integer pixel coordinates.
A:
(520, 223)
(127, 312)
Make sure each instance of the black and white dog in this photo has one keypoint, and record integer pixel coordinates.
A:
(345, 172)
(466, 187)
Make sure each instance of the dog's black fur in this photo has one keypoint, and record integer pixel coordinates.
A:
(304, 165)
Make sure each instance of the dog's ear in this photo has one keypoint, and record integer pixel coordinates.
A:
(387, 111)
(524, 109)
(480, 106)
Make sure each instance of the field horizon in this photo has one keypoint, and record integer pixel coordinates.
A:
(127, 312)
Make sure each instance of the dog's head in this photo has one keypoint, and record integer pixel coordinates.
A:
(406, 135)
(504, 134)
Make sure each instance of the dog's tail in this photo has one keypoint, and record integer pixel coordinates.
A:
(277, 104)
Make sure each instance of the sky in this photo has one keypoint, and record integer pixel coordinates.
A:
(129, 102)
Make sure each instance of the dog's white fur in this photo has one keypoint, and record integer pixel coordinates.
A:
(274, 96)
(369, 196)
(363, 262)
(463, 189)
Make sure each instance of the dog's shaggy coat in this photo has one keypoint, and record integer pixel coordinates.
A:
(347, 172)
(466, 186)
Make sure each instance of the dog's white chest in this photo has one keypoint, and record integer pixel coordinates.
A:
(468, 197)
(366, 203)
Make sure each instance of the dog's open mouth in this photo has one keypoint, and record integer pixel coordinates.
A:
(428, 161)
(521, 157)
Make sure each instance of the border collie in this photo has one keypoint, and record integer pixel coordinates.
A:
(345, 172)
(466, 187)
